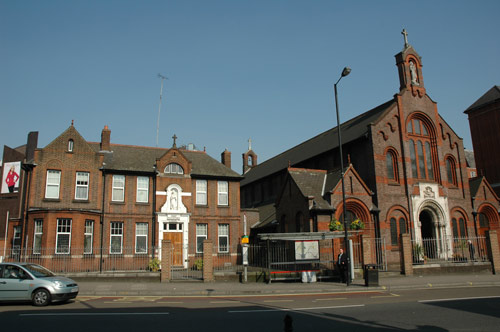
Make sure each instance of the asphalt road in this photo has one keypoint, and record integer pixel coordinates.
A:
(450, 309)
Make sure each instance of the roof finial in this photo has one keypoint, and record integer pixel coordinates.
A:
(72, 122)
(175, 139)
(249, 144)
(405, 34)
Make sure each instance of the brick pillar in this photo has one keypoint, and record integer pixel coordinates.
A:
(406, 255)
(367, 250)
(166, 261)
(493, 251)
(208, 262)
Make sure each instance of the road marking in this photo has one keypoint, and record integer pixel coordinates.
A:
(216, 302)
(295, 309)
(97, 314)
(165, 302)
(380, 296)
(460, 299)
(275, 301)
(332, 299)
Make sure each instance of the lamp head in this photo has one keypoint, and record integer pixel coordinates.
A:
(346, 71)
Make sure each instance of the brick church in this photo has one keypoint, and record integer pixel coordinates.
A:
(406, 172)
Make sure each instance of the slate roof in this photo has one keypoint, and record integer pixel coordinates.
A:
(490, 96)
(311, 184)
(267, 216)
(326, 141)
(474, 185)
(469, 157)
(129, 158)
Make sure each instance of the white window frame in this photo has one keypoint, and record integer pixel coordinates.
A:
(142, 189)
(141, 231)
(173, 168)
(71, 145)
(222, 193)
(201, 192)
(63, 228)
(115, 231)
(53, 183)
(82, 183)
(118, 187)
(201, 235)
(37, 236)
(88, 232)
(223, 232)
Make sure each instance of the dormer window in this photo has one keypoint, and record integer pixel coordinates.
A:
(173, 168)
(70, 145)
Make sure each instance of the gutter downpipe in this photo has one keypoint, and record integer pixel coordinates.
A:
(102, 217)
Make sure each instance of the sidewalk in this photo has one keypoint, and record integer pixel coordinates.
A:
(110, 287)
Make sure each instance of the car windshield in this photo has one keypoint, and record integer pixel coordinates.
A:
(38, 271)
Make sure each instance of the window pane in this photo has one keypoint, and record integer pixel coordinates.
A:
(394, 232)
(409, 128)
(413, 160)
(223, 192)
(455, 227)
(402, 226)
(142, 189)
(417, 126)
(53, 181)
(461, 222)
(421, 160)
(118, 188)
(201, 192)
(449, 171)
(430, 170)
(390, 165)
(201, 235)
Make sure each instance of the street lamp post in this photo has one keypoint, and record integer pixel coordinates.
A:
(345, 72)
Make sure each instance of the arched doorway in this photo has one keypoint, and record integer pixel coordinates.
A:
(435, 243)
(427, 222)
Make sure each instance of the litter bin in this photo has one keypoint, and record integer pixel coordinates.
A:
(371, 275)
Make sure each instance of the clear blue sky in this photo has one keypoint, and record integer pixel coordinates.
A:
(237, 69)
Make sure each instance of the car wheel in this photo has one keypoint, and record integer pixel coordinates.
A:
(41, 297)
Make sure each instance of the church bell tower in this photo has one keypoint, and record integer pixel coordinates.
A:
(409, 65)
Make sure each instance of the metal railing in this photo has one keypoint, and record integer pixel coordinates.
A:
(448, 249)
(80, 260)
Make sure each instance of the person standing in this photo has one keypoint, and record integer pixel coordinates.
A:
(342, 265)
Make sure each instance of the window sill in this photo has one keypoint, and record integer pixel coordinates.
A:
(142, 203)
(201, 205)
(54, 200)
(117, 203)
(394, 183)
(81, 201)
(223, 206)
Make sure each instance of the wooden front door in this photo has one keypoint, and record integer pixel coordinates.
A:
(176, 239)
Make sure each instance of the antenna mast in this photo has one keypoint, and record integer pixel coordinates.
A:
(159, 107)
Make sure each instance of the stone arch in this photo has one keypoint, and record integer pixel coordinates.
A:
(490, 213)
(357, 207)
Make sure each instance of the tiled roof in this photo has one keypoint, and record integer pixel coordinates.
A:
(474, 185)
(326, 141)
(130, 158)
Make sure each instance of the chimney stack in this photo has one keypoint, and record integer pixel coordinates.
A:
(226, 158)
(106, 139)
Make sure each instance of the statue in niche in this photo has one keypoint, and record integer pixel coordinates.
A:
(173, 200)
(429, 193)
(413, 73)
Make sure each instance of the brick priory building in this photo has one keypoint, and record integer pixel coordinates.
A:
(406, 172)
(84, 196)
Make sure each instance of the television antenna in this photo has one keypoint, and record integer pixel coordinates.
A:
(163, 78)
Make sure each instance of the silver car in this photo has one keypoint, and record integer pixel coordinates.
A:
(32, 282)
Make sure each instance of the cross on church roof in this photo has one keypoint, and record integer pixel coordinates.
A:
(405, 34)
(175, 139)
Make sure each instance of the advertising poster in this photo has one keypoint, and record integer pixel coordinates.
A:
(306, 250)
(10, 177)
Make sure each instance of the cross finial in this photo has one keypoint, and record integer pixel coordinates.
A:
(405, 34)
(175, 139)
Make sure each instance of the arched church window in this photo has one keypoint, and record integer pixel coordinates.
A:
(392, 165)
(451, 171)
(420, 150)
(173, 168)
(398, 227)
(458, 227)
